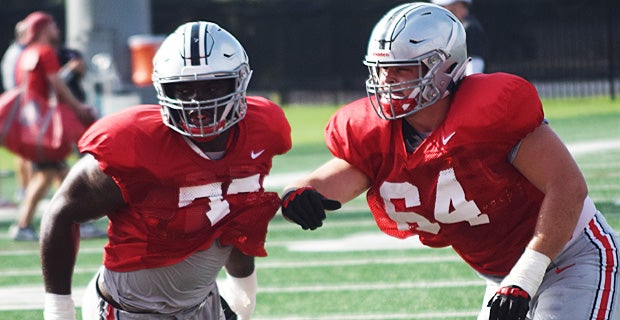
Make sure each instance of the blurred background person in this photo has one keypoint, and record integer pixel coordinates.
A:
(72, 71)
(38, 68)
(9, 62)
(9, 59)
(476, 36)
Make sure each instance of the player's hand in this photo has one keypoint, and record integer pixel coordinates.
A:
(87, 114)
(509, 303)
(306, 207)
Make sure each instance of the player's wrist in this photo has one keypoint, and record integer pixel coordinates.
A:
(240, 294)
(58, 307)
(528, 272)
(290, 193)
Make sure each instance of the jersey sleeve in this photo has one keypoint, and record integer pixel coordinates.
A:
(124, 149)
(49, 60)
(353, 133)
(276, 128)
(109, 139)
(496, 108)
(519, 110)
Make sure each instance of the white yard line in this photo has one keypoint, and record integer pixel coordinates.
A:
(382, 316)
(31, 296)
(580, 148)
(274, 264)
(374, 286)
(28, 297)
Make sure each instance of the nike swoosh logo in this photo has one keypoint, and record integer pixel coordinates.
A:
(255, 155)
(559, 270)
(445, 140)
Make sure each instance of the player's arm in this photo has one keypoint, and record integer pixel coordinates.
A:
(239, 288)
(305, 200)
(74, 67)
(546, 162)
(85, 194)
(83, 111)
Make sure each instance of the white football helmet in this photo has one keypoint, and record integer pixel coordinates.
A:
(200, 52)
(415, 34)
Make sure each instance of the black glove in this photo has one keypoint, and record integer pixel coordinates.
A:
(509, 303)
(306, 207)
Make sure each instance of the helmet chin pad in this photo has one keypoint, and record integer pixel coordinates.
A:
(393, 108)
(204, 130)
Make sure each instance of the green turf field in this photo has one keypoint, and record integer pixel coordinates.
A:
(347, 269)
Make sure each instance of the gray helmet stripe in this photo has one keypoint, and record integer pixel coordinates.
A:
(195, 44)
(453, 37)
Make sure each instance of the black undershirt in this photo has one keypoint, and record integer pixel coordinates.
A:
(411, 137)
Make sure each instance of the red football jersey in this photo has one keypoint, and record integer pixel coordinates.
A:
(458, 187)
(35, 63)
(179, 201)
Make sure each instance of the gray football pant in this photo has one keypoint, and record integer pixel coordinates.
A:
(580, 284)
(95, 308)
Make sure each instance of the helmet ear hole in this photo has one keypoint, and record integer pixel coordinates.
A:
(451, 68)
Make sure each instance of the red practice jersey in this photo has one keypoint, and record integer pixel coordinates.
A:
(35, 63)
(179, 201)
(458, 188)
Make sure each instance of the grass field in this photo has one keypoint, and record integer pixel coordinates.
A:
(347, 269)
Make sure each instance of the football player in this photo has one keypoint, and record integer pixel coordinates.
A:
(182, 186)
(467, 162)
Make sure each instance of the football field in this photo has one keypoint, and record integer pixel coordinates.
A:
(347, 269)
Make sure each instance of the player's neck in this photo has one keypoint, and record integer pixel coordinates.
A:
(217, 144)
(429, 118)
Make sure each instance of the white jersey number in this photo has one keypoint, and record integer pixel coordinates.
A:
(219, 207)
(449, 191)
